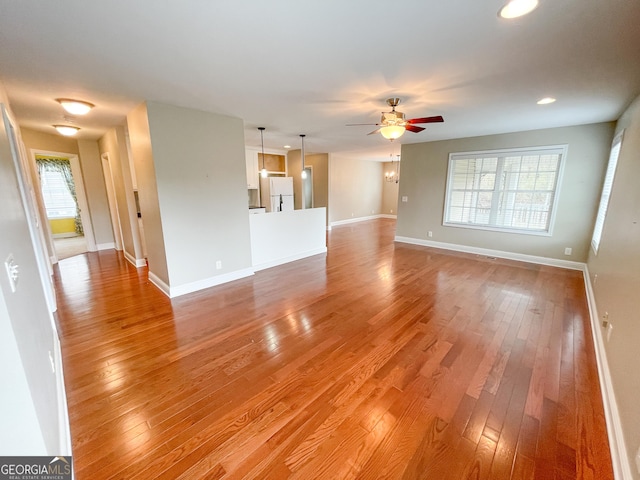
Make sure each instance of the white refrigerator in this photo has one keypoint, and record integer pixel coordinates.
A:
(277, 193)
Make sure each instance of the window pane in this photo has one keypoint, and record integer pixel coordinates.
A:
(513, 191)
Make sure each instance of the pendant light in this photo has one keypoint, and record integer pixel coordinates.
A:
(263, 172)
(304, 172)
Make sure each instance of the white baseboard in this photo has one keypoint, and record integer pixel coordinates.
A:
(164, 288)
(360, 219)
(292, 258)
(621, 468)
(64, 235)
(619, 458)
(209, 282)
(105, 246)
(136, 262)
(521, 257)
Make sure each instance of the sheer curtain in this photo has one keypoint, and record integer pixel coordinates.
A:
(62, 166)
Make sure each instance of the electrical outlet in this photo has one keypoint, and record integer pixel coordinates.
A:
(429, 234)
(568, 250)
(218, 264)
(595, 278)
(405, 199)
(609, 331)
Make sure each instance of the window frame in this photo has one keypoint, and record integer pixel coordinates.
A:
(561, 149)
(603, 204)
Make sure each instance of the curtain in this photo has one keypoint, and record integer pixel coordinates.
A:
(62, 165)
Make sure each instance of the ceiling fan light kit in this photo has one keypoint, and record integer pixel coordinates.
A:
(391, 132)
(393, 124)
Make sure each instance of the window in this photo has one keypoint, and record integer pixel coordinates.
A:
(57, 199)
(606, 191)
(512, 190)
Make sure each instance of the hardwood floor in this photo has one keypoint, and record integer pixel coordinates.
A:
(380, 360)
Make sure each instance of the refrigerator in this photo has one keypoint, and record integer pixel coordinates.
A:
(277, 193)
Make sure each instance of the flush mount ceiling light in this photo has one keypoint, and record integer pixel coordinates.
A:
(75, 107)
(287, 146)
(66, 130)
(546, 101)
(517, 8)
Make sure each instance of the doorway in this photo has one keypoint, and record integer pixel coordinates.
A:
(64, 204)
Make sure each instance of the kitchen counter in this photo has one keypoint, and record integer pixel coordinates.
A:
(281, 237)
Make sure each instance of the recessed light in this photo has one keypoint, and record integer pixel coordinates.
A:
(287, 146)
(546, 101)
(66, 130)
(75, 107)
(517, 8)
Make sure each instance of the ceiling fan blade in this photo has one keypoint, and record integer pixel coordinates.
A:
(358, 124)
(374, 132)
(413, 128)
(435, 119)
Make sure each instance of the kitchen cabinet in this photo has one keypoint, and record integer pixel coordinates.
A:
(251, 157)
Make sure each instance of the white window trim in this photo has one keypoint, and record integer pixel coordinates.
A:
(603, 208)
(536, 150)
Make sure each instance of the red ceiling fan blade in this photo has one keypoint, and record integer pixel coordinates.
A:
(435, 119)
(375, 131)
(413, 128)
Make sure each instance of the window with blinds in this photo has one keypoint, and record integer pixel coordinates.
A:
(512, 190)
(606, 191)
(57, 199)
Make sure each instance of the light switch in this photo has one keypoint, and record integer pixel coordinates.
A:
(12, 272)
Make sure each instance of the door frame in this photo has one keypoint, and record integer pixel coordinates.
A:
(112, 200)
(83, 204)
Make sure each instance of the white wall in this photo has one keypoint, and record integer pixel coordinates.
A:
(423, 181)
(617, 266)
(192, 185)
(28, 325)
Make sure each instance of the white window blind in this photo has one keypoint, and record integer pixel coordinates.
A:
(512, 190)
(58, 201)
(606, 191)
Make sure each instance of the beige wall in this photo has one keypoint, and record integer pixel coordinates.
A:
(200, 173)
(114, 144)
(389, 190)
(617, 266)
(423, 181)
(355, 188)
(140, 137)
(96, 191)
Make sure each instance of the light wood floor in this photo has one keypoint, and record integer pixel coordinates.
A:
(380, 360)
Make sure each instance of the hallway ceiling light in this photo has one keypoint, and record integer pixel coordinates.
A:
(75, 107)
(66, 130)
(546, 101)
(517, 8)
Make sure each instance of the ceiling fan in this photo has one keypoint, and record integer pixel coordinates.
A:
(393, 124)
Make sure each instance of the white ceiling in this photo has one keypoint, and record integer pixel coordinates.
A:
(312, 66)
